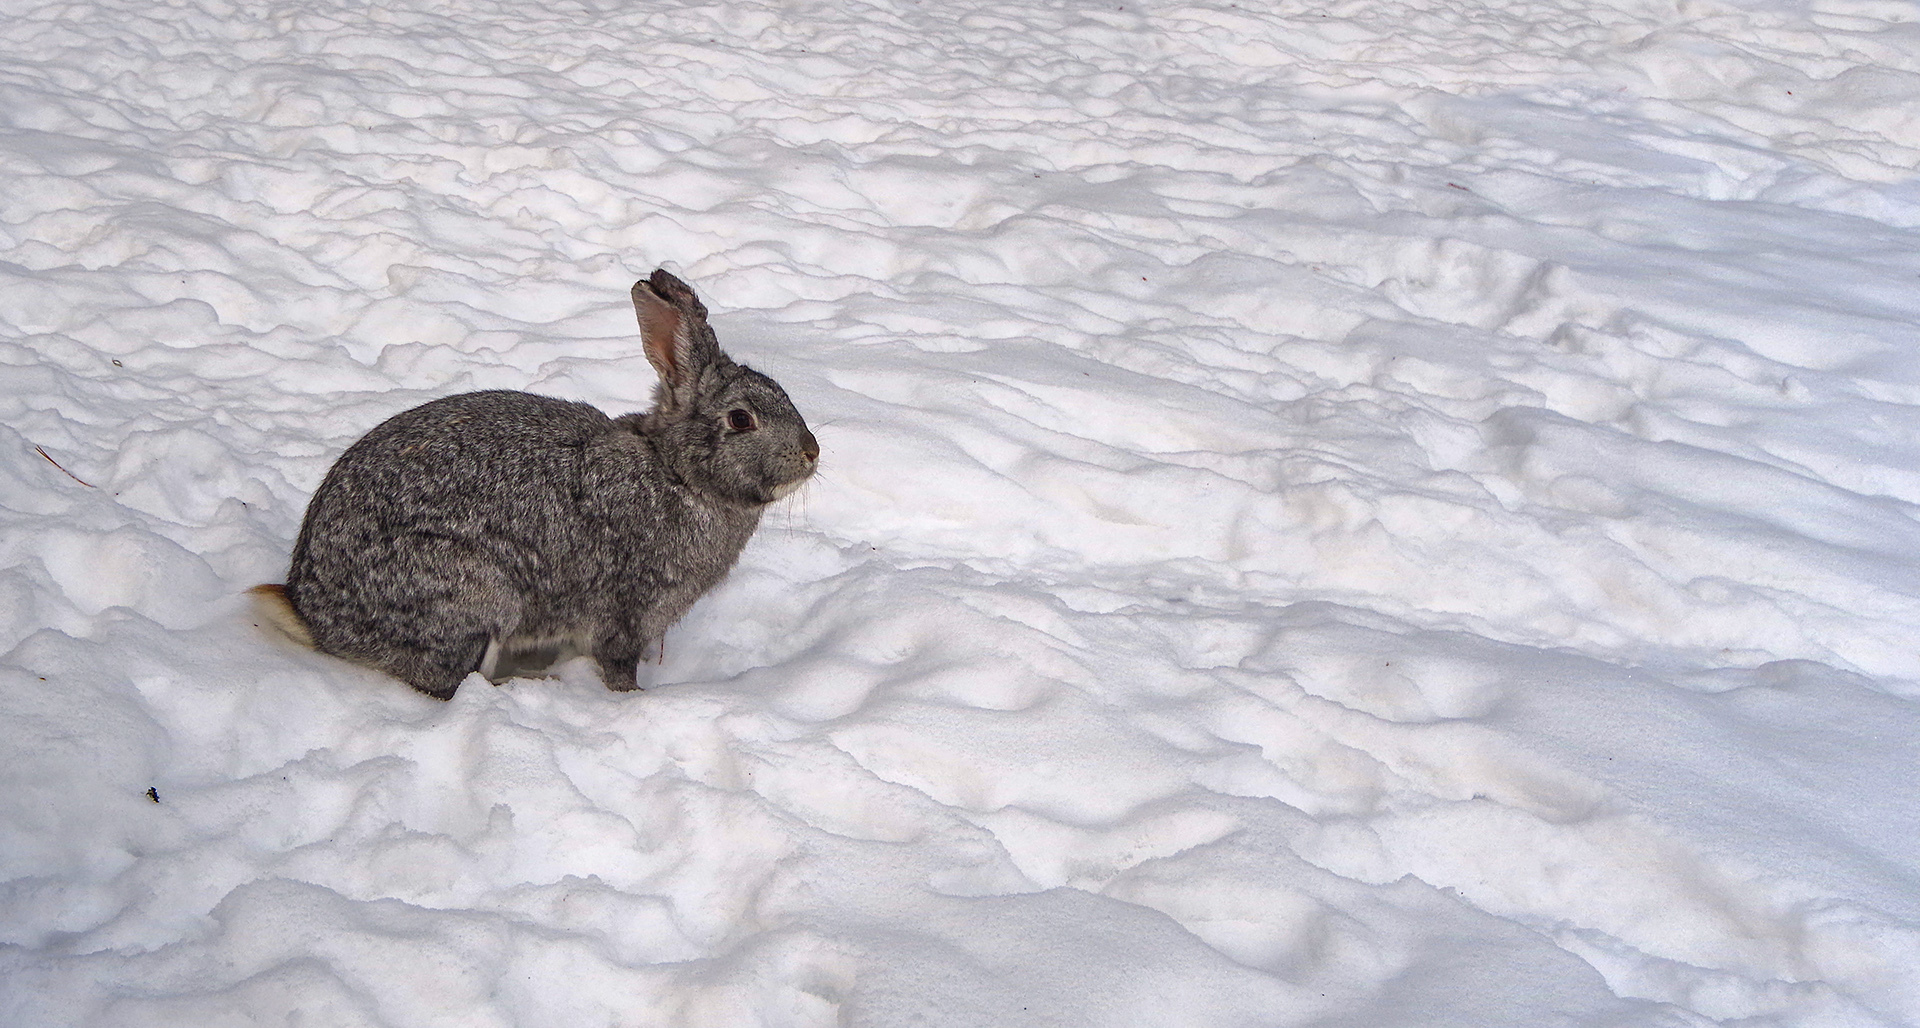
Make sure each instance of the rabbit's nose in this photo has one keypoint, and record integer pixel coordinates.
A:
(809, 446)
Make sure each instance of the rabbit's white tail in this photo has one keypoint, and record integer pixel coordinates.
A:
(271, 608)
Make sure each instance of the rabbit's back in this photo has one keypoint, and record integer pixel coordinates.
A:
(501, 468)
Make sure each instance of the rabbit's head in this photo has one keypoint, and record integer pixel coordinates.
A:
(722, 427)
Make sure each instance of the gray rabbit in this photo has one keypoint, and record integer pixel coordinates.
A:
(468, 532)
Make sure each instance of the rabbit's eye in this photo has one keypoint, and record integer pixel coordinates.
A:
(740, 420)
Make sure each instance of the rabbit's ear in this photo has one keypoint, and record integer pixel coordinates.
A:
(675, 292)
(673, 330)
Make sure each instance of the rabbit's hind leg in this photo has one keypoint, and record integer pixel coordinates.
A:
(439, 670)
(442, 615)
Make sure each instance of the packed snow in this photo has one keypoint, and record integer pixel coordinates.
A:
(1373, 513)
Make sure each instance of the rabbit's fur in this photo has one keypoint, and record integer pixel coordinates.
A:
(475, 528)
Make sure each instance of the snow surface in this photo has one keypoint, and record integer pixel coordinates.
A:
(1401, 512)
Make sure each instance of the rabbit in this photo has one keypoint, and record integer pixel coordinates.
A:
(475, 529)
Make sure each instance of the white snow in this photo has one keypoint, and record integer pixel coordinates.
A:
(1387, 513)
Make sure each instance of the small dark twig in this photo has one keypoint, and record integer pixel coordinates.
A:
(64, 471)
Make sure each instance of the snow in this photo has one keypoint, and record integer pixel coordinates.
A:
(1400, 513)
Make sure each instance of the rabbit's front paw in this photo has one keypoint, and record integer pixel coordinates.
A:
(619, 666)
